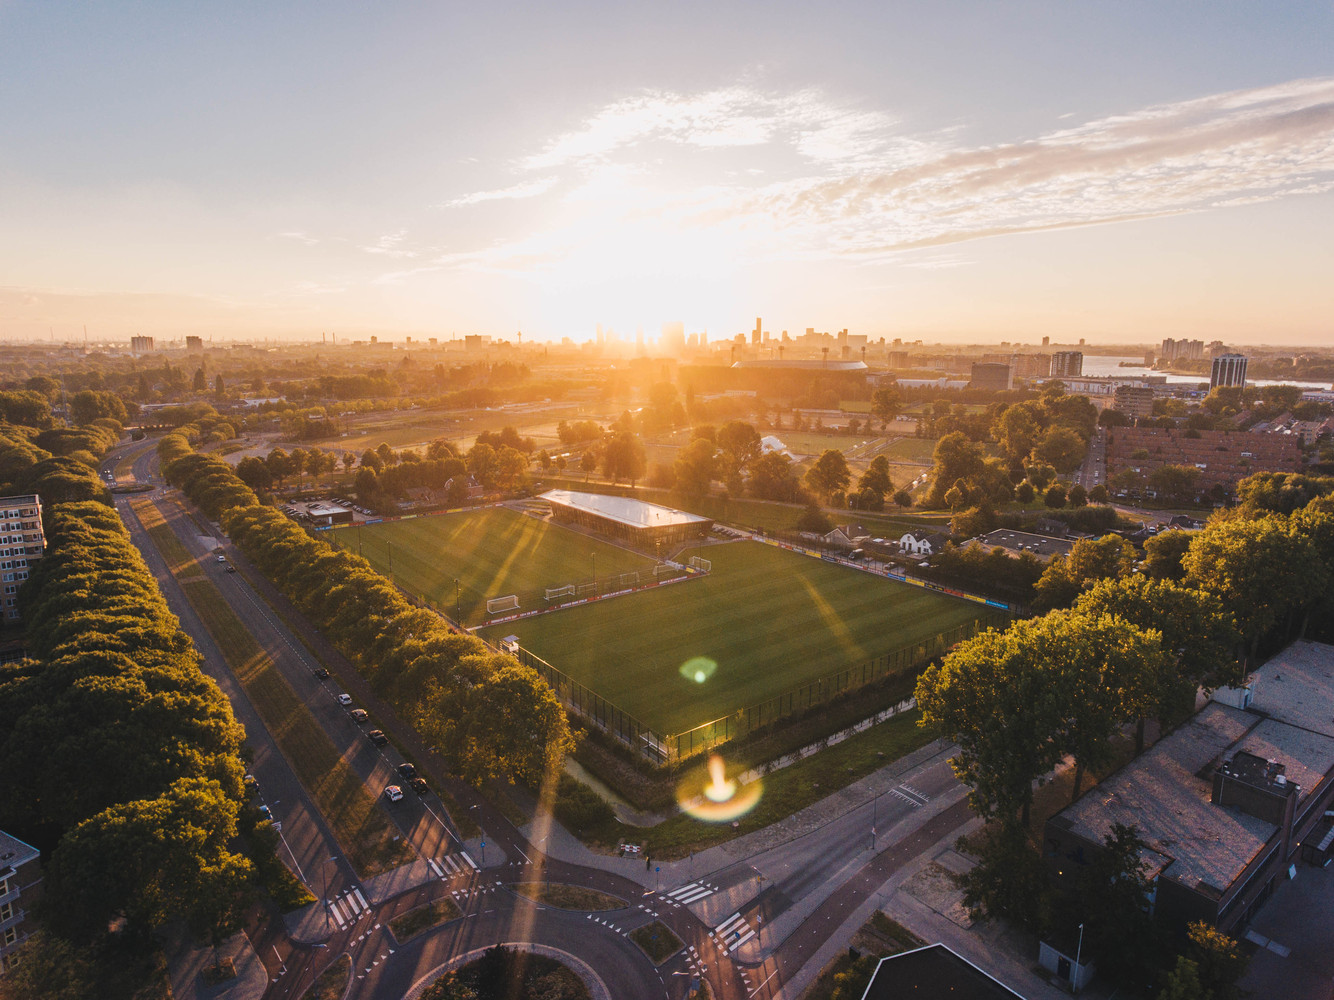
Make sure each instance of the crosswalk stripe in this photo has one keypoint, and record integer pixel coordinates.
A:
(743, 939)
(726, 925)
(452, 865)
(471, 863)
(361, 899)
(695, 896)
(435, 867)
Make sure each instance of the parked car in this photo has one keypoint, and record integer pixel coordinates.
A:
(419, 786)
(377, 737)
(251, 784)
(393, 793)
(345, 699)
(265, 814)
(359, 715)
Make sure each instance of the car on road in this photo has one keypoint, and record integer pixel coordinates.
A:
(393, 793)
(321, 672)
(359, 715)
(345, 699)
(377, 737)
(419, 786)
(231, 568)
(407, 772)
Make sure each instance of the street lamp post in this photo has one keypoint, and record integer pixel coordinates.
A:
(875, 817)
(1079, 948)
(595, 572)
(458, 604)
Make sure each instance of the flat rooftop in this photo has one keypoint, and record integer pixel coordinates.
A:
(1162, 793)
(623, 510)
(1166, 791)
(1296, 687)
(14, 852)
(1043, 546)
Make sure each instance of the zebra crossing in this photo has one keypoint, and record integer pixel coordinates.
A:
(691, 892)
(733, 932)
(348, 907)
(910, 795)
(452, 865)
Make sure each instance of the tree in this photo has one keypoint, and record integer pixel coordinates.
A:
(1183, 982)
(255, 473)
(1002, 704)
(1024, 492)
(1016, 430)
(1219, 959)
(1112, 901)
(1164, 552)
(200, 381)
(1054, 497)
(483, 463)
(1198, 638)
(1257, 568)
(91, 404)
(829, 474)
(1098, 494)
(1009, 881)
(886, 404)
(279, 465)
(1174, 482)
(739, 443)
(1060, 447)
(1077, 496)
(695, 466)
(513, 727)
(624, 458)
(814, 520)
(1089, 560)
(903, 498)
(876, 477)
(370, 459)
(955, 457)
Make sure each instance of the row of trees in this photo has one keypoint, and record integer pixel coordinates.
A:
(122, 759)
(489, 716)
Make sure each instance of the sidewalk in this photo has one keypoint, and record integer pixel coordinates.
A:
(186, 963)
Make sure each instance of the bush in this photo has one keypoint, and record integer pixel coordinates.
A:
(580, 809)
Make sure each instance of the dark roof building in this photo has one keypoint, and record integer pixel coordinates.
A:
(1224, 802)
(20, 878)
(1017, 542)
(934, 973)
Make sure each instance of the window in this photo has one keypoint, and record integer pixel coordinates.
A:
(6, 911)
(11, 935)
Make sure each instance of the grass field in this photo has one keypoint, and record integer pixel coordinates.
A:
(771, 620)
(491, 552)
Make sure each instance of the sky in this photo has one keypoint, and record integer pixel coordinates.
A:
(1120, 172)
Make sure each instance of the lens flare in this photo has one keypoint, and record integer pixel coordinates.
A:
(716, 798)
(698, 669)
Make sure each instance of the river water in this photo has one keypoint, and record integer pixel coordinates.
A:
(1107, 364)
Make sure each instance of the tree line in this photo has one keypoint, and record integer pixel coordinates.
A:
(487, 715)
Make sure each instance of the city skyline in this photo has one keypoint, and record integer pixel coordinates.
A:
(955, 174)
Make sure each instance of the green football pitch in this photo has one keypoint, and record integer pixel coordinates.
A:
(768, 619)
(491, 552)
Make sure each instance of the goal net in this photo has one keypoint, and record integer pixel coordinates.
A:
(702, 564)
(586, 588)
(665, 569)
(555, 592)
(495, 605)
(628, 580)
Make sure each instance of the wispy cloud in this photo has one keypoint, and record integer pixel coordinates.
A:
(300, 237)
(802, 176)
(526, 189)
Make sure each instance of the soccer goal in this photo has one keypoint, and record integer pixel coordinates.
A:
(495, 605)
(701, 564)
(628, 580)
(555, 592)
(586, 588)
(665, 569)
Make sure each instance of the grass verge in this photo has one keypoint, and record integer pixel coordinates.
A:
(657, 941)
(332, 983)
(423, 918)
(789, 790)
(568, 897)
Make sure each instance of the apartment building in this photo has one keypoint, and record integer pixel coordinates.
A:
(22, 543)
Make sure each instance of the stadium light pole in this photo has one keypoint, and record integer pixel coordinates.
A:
(595, 571)
(458, 604)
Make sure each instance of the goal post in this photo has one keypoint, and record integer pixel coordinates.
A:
(555, 592)
(495, 605)
(701, 564)
(628, 579)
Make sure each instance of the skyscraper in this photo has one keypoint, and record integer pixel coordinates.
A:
(1067, 364)
(1228, 370)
